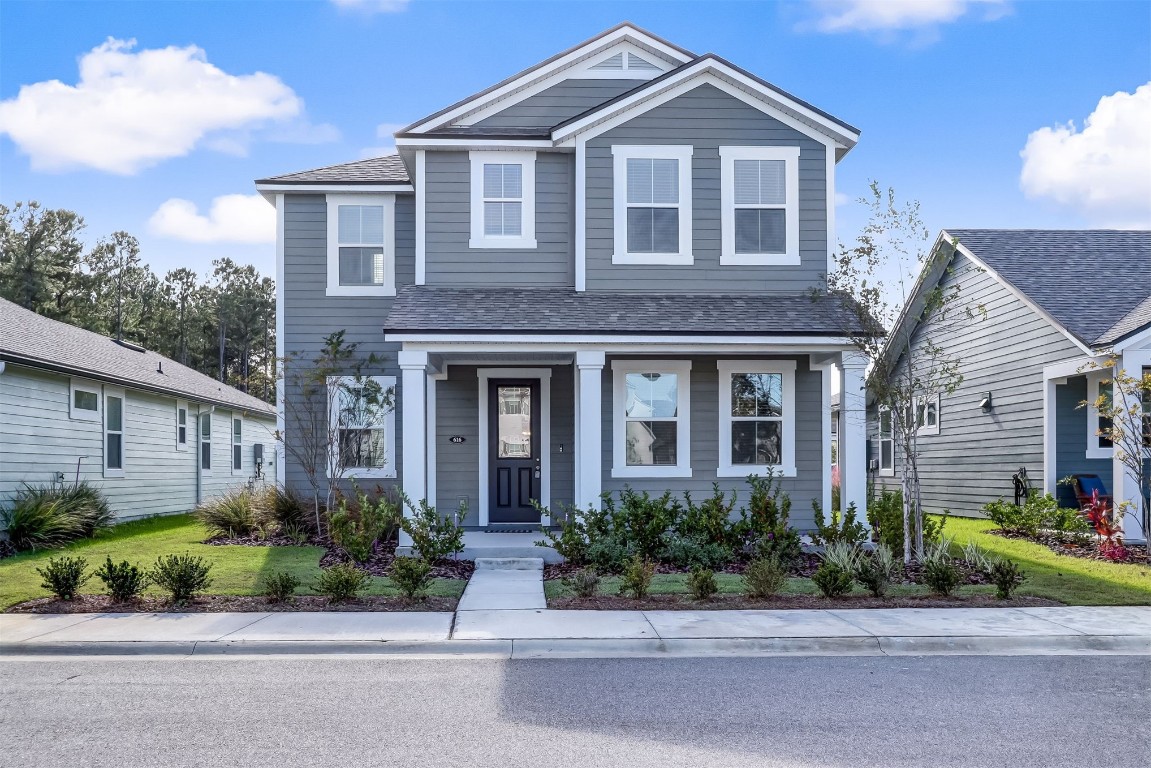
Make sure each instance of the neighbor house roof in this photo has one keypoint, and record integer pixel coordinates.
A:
(517, 311)
(377, 170)
(36, 341)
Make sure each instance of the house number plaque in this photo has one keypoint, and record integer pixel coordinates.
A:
(456, 439)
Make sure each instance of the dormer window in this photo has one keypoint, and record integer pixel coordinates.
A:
(759, 191)
(361, 245)
(503, 200)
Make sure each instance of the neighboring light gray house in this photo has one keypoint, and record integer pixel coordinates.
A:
(1056, 301)
(596, 273)
(155, 436)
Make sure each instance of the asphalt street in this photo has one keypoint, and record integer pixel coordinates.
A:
(802, 712)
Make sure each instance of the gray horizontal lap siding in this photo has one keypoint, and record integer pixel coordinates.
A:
(450, 260)
(553, 105)
(973, 458)
(706, 118)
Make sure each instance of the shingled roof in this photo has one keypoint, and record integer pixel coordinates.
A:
(1096, 283)
(388, 169)
(27, 338)
(518, 311)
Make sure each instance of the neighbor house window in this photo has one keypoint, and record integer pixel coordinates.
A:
(113, 432)
(237, 445)
(206, 443)
(503, 200)
(652, 204)
(886, 442)
(363, 419)
(759, 199)
(84, 400)
(756, 417)
(1146, 411)
(181, 426)
(652, 429)
(361, 245)
(1098, 446)
(927, 415)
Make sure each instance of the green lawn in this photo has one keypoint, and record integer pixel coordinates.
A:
(235, 570)
(1071, 580)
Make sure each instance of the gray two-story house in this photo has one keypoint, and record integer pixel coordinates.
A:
(597, 273)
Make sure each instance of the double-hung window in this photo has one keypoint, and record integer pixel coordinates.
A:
(756, 417)
(361, 245)
(759, 198)
(181, 426)
(652, 428)
(927, 415)
(652, 204)
(503, 200)
(113, 432)
(205, 430)
(886, 442)
(237, 445)
(364, 421)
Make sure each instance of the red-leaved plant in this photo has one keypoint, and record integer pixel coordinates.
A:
(1103, 521)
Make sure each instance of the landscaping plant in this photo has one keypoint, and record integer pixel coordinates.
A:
(764, 522)
(764, 577)
(358, 527)
(286, 507)
(411, 575)
(1006, 576)
(843, 527)
(940, 573)
(584, 582)
(233, 514)
(684, 552)
(181, 576)
(843, 555)
(701, 583)
(711, 521)
(342, 582)
(637, 576)
(434, 537)
(280, 586)
(885, 514)
(876, 570)
(640, 522)
(124, 581)
(64, 576)
(571, 541)
(50, 516)
(832, 580)
(1107, 528)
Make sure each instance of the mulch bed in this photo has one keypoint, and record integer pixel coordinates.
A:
(786, 602)
(1085, 547)
(237, 603)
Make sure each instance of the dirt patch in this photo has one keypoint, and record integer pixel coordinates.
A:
(786, 602)
(383, 553)
(230, 603)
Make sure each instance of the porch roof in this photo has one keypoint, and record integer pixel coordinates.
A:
(516, 311)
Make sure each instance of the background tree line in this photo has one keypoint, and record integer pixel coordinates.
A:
(222, 324)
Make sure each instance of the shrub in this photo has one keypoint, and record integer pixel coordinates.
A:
(941, 576)
(342, 582)
(357, 528)
(1006, 576)
(584, 582)
(701, 583)
(764, 577)
(411, 575)
(181, 576)
(640, 522)
(299, 534)
(1039, 512)
(842, 526)
(286, 508)
(977, 557)
(123, 581)
(64, 576)
(233, 513)
(832, 580)
(434, 537)
(280, 586)
(876, 570)
(571, 542)
(711, 521)
(843, 555)
(691, 553)
(608, 554)
(49, 516)
(637, 577)
(764, 522)
(885, 513)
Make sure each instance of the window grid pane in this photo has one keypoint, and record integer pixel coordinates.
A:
(760, 230)
(760, 182)
(503, 180)
(361, 266)
(360, 224)
(114, 417)
(85, 401)
(758, 443)
(503, 219)
(757, 395)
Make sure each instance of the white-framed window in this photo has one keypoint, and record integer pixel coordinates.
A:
(84, 400)
(113, 432)
(503, 200)
(1146, 397)
(205, 430)
(237, 445)
(365, 425)
(927, 415)
(361, 245)
(759, 199)
(181, 425)
(652, 204)
(1098, 446)
(886, 442)
(756, 417)
(651, 432)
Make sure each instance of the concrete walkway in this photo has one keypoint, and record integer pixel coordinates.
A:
(505, 584)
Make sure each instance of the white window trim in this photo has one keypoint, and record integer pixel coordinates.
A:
(182, 405)
(79, 414)
(621, 153)
(232, 444)
(728, 368)
(1094, 450)
(682, 369)
(727, 158)
(200, 442)
(389, 287)
(880, 439)
(388, 471)
(925, 428)
(527, 236)
(123, 431)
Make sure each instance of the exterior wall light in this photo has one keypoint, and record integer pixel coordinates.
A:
(985, 404)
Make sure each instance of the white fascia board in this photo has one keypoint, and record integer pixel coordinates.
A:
(383, 188)
(1075, 367)
(1138, 340)
(476, 143)
(530, 77)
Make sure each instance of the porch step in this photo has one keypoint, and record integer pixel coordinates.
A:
(509, 563)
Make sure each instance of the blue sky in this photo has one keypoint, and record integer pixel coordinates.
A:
(947, 94)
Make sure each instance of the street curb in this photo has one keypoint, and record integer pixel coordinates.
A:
(1025, 645)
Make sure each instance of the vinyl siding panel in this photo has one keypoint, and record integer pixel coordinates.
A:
(559, 102)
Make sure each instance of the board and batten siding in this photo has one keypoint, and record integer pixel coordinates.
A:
(561, 101)
(707, 119)
(38, 439)
(449, 261)
(971, 461)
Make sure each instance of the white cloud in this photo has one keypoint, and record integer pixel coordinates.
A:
(372, 6)
(1103, 171)
(134, 109)
(232, 219)
(887, 16)
(384, 131)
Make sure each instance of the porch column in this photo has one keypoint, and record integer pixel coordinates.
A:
(413, 401)
(853, 434)
(1124, 486)
(589, 434)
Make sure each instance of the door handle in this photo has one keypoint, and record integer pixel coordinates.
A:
(537, 472)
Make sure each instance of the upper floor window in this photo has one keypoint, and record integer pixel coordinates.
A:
(361, 245)
(652, 204)
(756, 417)
(503, 211)
(759, 196)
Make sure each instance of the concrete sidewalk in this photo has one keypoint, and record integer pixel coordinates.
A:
(527, 633)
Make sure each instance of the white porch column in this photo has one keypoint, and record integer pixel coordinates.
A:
(1124, 487)
(414, 401)
(853, 434)
(589, 433)
(1050, 441)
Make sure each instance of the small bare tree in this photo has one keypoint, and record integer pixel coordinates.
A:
(878, 277)
(329, 403)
